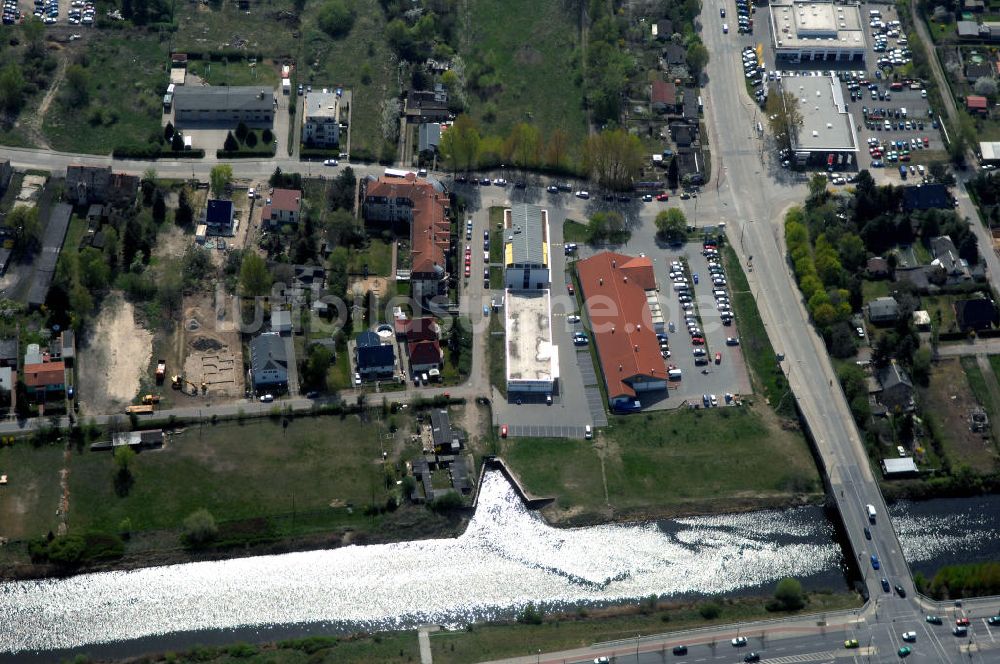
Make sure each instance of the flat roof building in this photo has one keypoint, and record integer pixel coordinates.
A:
(526, 248)
(321, 119)
(817, 31)
(224, 106)
(827, 128)
(532, 361)
(616, 290)
(990, 151)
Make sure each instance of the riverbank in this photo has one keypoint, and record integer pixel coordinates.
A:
(486, 641)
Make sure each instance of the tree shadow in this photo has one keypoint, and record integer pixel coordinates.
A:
(124, 481)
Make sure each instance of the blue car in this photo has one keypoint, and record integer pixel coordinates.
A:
(875, 563)
(695, 277)
(885, 584)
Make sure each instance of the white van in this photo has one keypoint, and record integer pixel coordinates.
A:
(874, 13)
(871, 513)
(588, 432)
(674, 374)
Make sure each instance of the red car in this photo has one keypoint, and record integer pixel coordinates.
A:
(718, 358)
(698, 341)
(468, 271)
(503, 430)
(962, 622)
(663, 197)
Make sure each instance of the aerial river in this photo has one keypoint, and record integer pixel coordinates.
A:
(506, 558)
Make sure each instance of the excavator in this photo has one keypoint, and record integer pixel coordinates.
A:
(178, 382)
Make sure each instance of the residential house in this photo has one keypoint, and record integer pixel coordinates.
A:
(990, 31)
(96, 214)
(883, 310)
(950, 267)
(674, 54)
(926, 197)
(427, 105)
(373, 359)
(219, 217)
(663, 97)
(690, 165)
(976, 104)
(683, 134)
(284, 206)
(281, 321)
(424, 356)
(663, 29)
(425, 207)
(67, 347)
(974, 6)
(97, 184)
(877, 268)
(897, 390)
(977, 70)
(8, 352)
(976, 314)
(321, 119)
(429, 137)
(692, 105)
(446, 440)
(268, 363)
(968, 30)
(45, 378)
(224, 106)
(425, 328)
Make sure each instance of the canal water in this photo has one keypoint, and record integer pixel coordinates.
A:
(507, 558)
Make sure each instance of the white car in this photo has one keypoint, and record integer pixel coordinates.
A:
(739, 641)
(910, 636)
(329, 162)
(583, 194)
(266, 398)
(500, 182)
(573, 319)
(357, 379)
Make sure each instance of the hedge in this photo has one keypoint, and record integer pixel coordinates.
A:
(151, 151)
(243, 154)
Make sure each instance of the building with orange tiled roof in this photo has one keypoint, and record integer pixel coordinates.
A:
(425, 207)
(619, 292)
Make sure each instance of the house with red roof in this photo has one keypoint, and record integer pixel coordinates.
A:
(617, 290)
(976, 104)
(664, 97)
(424, 355)
(283, 207)
(44, 378)
(425, 207)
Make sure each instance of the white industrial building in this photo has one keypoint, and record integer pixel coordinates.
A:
(532, 360)
(526, 248)
(817, 31)
(827, 137)
(989, 152)
(321, 119)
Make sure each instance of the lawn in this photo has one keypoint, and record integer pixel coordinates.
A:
(766, 375)
(871, 290)
(314, 466)
(127, 77)
(574, 231)
(667, 463)
(948, 402)
(377, 255)
(237, 71)
(29, 501)
(531, 50)
(203, 29)
(362, 62)
(941, 310)
(497, 354)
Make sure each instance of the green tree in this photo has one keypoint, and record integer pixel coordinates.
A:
(255, 278)
(95, 273)
(25, 224)
(185, 213)
(77, 86)
(241, 131)
(12, 89)
(555, 151)
(671, 225)
(168, 131)
(159, 207)
(177, 142)
(460, 144)
(783, 118)
(697, 57)
(336, 17)
(316, 366)
(788, 596)
(220, 178)
(251, 140)
(196, 265)
(200, 528)
(613, 158)
(230, 144)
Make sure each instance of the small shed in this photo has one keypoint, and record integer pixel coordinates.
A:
(904, 467)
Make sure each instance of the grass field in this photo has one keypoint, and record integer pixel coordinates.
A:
(360, 61)
(871, 290)
(574, 231)
(532, 48)
(29, 501)
(667, 463)
(766, 375)
(236, 472)
(203, 29)
(949, 399)
(236, 72)
(941, 311)
(497, 354)
(377, 255)
(127, 77)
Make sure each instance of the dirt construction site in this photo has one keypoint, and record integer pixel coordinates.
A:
(210, 346)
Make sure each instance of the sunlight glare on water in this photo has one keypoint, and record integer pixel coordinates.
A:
(507, 557)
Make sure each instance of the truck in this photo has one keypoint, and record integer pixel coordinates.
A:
(139, 410)
(871, 513)
(161, 371)
(151, 399)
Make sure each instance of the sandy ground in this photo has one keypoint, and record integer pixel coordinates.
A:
(212, 351)
(114, 357)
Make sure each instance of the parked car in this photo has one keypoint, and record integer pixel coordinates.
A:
(739, 641)
(503, 430)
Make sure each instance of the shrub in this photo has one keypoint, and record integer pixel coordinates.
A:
(200, 528)
(710, 610)
(336, 18)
